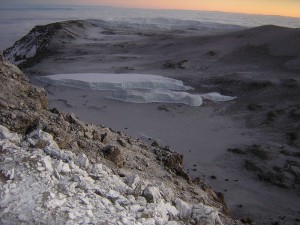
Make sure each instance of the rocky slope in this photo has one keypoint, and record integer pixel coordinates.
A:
(38, 42)
(56, 169)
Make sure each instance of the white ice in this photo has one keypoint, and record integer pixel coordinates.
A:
(103, 81)
(217, 97)
(155, 95)
(135, 88)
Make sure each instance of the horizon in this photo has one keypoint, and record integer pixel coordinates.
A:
(288, 6)
(19, 19)
(155, 9)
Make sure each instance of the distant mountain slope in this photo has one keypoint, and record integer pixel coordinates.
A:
(39, 42)
(276, 41)
(260, 43)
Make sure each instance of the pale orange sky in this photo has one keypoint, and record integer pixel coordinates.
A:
(269, 7)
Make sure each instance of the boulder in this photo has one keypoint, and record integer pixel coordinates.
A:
(6, 134)
(47, 163)
(152, 194)
(65, 168)
(203, 214)
(83, 161)
(8, 174)
(114, 154)
(185, 209)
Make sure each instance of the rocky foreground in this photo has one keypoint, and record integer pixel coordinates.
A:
(55, 169)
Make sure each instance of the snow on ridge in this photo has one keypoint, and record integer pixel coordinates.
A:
(23, 50)
(135, 88)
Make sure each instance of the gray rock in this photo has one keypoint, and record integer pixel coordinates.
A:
(83, 161)
(88, 135)
(3, 104)
(155, 144)
(122, 142)
(5, 134)
(104, 138)
(65, 168)
(56, 173)
(185, 209)
(68, 189)
(114, 154)
(8, 174)
(47, 163)
(152, 194)
(71, 118)
(132, 181)
(96, 135)
(206, 215)
(57, 154)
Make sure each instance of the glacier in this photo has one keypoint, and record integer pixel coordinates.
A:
(135, 88)
(104, 81)
(157, 95)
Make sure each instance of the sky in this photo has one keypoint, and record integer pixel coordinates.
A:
(265, 7)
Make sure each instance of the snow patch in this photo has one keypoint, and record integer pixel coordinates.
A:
(23, 50)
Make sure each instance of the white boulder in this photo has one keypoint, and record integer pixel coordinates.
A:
(5, 134)
(152, 194)
(206, 215)
(47, 163)
(185, 209)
